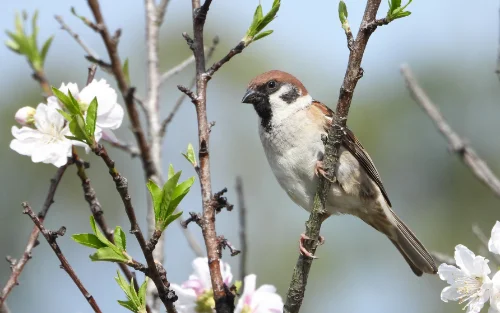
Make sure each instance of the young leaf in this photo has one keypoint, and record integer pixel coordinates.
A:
(62, 97)
(128, 305)
(142, 292)
(168, 190)
(91, 118)
(98, 233)
(170, 219)
(122, 282)
(74, 105)
(66, 116)
(89, 240)
(77, 128)
(179, 193)
(342, 12)
(133, 296)
(171, 171)
(269, 16)
(125, 71)
(45, 48)
(263, 34)
(108, 254)
(120, 239)
(189, 155)
(257, 18)
(156, 195)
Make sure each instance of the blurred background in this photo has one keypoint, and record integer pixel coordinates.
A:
(452, 49)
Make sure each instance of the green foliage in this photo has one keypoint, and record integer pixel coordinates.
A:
(25, 44)
(83, 129)
(190, 156)
(259, 22)
(136, 300)
(167, 199)
(396, 10)
(106, 250)
(343, 16)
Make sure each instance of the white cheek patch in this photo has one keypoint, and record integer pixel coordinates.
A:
(282, 110)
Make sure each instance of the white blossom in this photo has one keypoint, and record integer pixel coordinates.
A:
(195, 295)
(263, 300)
(494, 243)
(46, 142)
(469, 282)
(109, 112)
(25, 116)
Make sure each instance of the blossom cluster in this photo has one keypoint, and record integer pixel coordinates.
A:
(470, 281)
(196, 295)
(44, 131)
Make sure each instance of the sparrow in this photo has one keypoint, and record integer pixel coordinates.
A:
(291, 126)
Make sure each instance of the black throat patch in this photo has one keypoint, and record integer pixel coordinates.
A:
(291, 95)
(263, 109)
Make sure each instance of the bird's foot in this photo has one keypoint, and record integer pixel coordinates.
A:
(319, 170)
(303, 250)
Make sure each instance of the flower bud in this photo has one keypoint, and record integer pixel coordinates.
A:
(25, 116)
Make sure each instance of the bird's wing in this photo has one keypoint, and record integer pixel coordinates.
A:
(352, 144)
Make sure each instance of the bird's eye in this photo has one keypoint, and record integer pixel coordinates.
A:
(271, 84)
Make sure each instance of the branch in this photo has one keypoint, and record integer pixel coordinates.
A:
(457, 145)
(167, 296)
(176, 69)
(51, 239)
(126, 91)
(224, 299)
(126, 147)
(243, 228)
(77, 37)
(354, 72)
(18, 267)
(443, 258)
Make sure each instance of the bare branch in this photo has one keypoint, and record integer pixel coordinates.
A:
(77, 37)
(470, 158)
(18, 267)
(51, 239)
(176, 69)
(242, 210)
(128, 148)
(353, 73)
(443, 258)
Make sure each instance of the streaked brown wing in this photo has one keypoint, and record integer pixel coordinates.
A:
(352, 144)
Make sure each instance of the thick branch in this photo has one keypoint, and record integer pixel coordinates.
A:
(18, 267)
(167, 296)
(51, 239)
(354, 72)
(468, 156)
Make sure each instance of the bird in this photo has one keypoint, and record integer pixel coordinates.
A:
(291, 127)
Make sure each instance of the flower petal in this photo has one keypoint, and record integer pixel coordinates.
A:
(71, 87)
(450, 273)
(450, 293)
(201, 272)
(187, 299)
(494, 243)
(106, 96)
(470, 263)
(111, 119)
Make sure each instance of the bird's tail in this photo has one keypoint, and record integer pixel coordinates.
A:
(406, 242)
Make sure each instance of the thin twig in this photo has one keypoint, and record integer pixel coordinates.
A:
(162, 285)
(182, 97)
(353, 73)
(457, 145)
(126, 147)
(443, 258)
(242, 211)
(51, 239)
(176, 69)
(18, 267)
(77, 37)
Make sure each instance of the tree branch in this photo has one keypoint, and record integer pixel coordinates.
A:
(162, 285)
(457, 145)
(242, 209)
(51, 239)
(354, 72)
(18, 267)
(224, 299)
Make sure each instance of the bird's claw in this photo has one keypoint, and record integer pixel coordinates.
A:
(303, 251)
(319, 170)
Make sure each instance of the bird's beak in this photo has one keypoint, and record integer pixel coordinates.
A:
(250, 96)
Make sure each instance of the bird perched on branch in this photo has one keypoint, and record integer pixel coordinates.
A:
(291, 126)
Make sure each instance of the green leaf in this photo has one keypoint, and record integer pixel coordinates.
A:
(171, 171)
(19, 24)
(394, 4)
(122, 282)
(342, 12)
(125, 71)
(170, 219)
(74, 138)
(91, 118)
(128, 305)
(34, 29)
(156, 195)
(120, 239)
(168, 190)
(12, 45)
(179, 193)
(66, 116)
(402, 14)
(257, 18)
(133, 296)
(108, 254)
(77, 128)
(65, 100)
(89, 240)
(269, 16)
(142, 292)
(189, 155)
(98, 233)
(263, 34)
(45, 48)
(73, 105)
